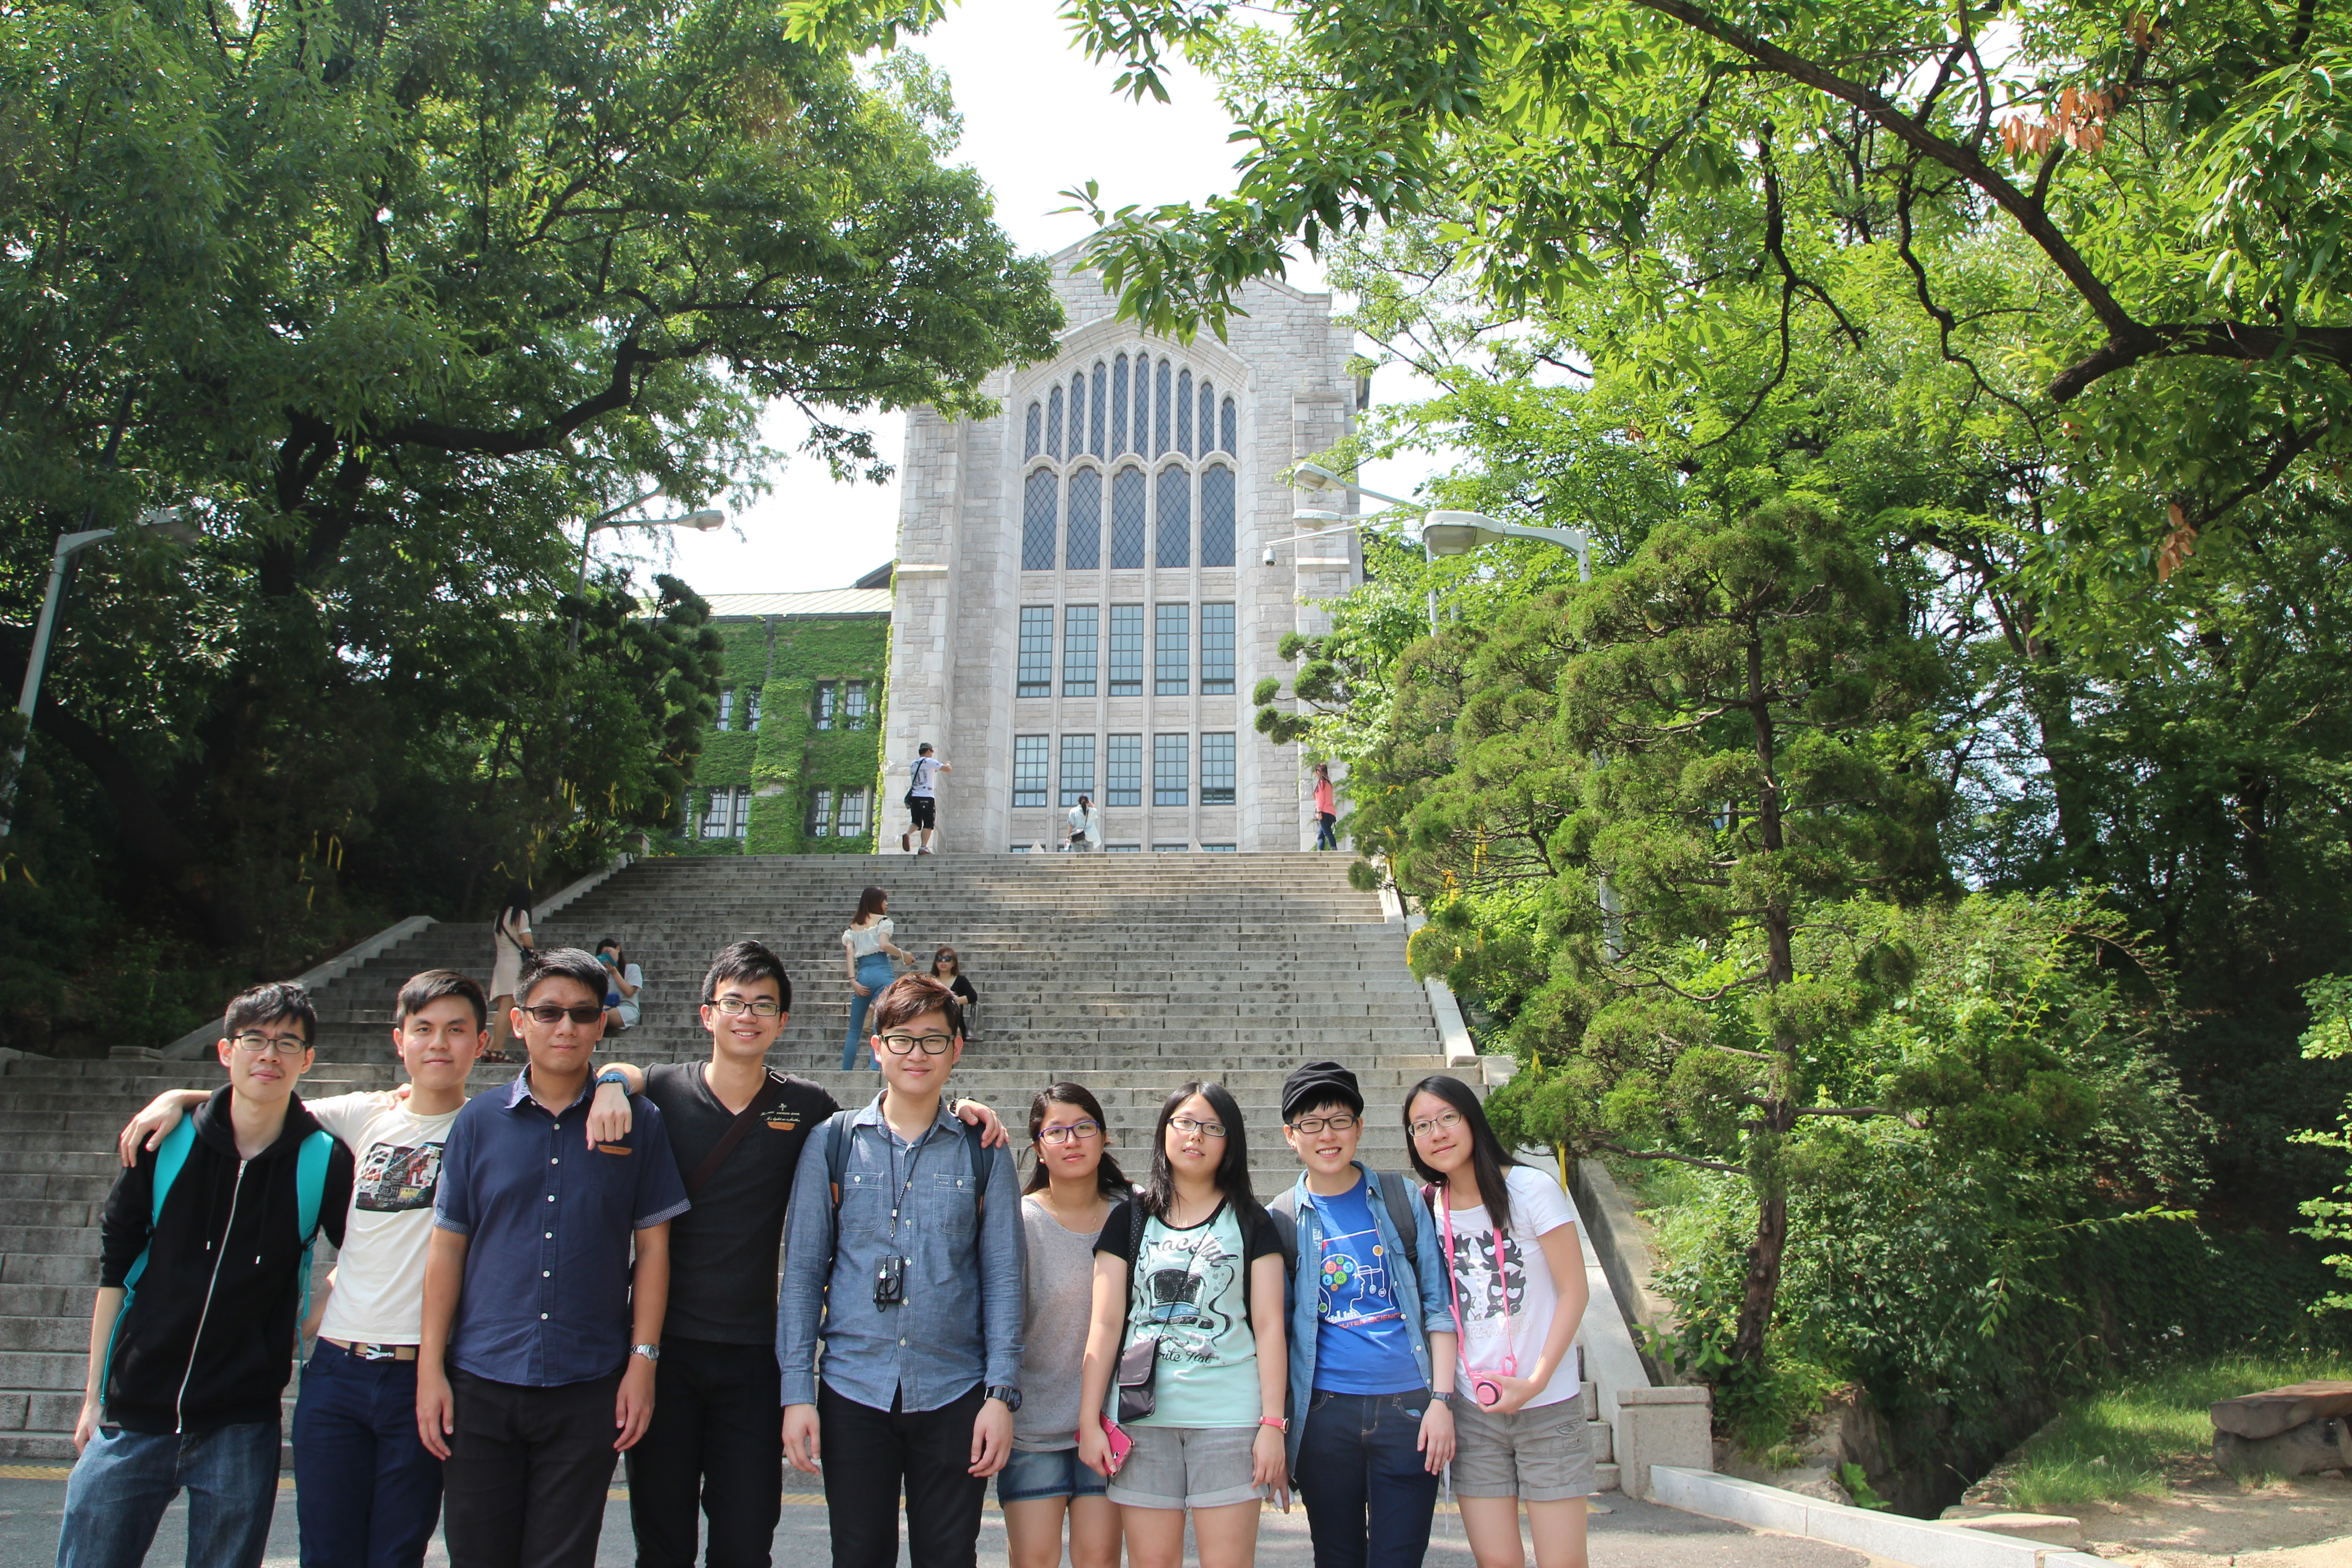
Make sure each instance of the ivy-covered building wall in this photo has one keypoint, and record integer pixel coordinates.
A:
(792, 766)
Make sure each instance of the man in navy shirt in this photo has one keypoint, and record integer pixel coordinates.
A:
(540, 1335)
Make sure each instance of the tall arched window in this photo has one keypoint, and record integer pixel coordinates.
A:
(1037, 522)
(1184, 412)
(1217, 516)
(1029, 446)
(1142, 426)
(1054, 423)
(1086, 520)
(1118, 406)
(1160, 413)
(1077, 414)
(1175, 517)
(1208, 418)
(1230, 442)
(1094, 416)
(1127, 542)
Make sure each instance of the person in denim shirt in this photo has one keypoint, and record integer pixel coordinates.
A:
(1370, 1340)
(918, 1387)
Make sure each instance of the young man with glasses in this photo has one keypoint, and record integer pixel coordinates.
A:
(1371, 1336)
(204, 1254)
(737, 1128)
(366, 1490)
(905, 1244)
(541, 1331)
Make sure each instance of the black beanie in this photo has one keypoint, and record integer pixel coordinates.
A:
(1318, 1082)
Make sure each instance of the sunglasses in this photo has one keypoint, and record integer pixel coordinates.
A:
(547, 1012)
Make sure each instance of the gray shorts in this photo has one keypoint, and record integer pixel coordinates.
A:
(1537, 1456)
(1187, 1467)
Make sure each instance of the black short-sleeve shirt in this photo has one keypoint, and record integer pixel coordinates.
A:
(723, 1251)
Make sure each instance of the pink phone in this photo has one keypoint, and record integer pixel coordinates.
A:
(1121, 1445)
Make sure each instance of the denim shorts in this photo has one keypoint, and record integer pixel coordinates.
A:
(1188, 1467)
(1058, 1473)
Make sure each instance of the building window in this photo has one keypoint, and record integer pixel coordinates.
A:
(1208, 418)
(1028, 771)
(1216, 770)
(1184, 412)
(716, 812)
(1142, 404)
(752, 707)
(820, 821)
(1175, 517)
(1216, 650)
(852, 821)
(740, 825)
(1172, 849)
(1172, 769)
(1054, 423)
(1118, 406)
(1095, 415)
(1160, 412)
(1127, 651)
(1123, 848)
(1123, 771)
(1037, 520)
(1036, 668)
(1078, 650)
(1127, 520)
(1086, 520)
(828, 699)
(1035, 428)
(1221, 848)
(1077, 414)
(1217, 516)
(1230, 442)
(853, 705)
(726, 707)
(1172, 651)
(1077, 768)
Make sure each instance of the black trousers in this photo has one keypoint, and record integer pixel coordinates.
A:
(869, 1452)
(715, 1446)
(524, 1486)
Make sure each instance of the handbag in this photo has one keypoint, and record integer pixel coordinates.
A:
(1138, 1364)
(1483, 1387)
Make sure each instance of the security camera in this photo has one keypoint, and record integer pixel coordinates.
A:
(1269, 555)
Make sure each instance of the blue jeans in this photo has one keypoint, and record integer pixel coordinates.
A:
(367, 1493)
(1360, 1474)
(124, 1481)
(874, 972)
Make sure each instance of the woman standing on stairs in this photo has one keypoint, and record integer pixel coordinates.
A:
(866, 951)
(510, 934)
(1519, 1408)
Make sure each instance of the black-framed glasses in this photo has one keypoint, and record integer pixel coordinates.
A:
(933, 1045)
(254, 1043)
(1337, 1122)
(1206, 1128)
(1081, 1130)
(549, 1013)
(1444, 1121)
(759, 1007)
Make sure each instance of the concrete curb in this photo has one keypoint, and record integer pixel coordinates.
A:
(1460, 1049)
(1619, 1237)
(1920, 1542)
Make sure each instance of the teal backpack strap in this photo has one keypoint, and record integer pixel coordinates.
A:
(170, 1156)
(310, 1193)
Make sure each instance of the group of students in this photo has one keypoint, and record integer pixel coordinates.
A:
(582, 1266)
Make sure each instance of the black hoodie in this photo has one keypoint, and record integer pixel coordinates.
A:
(208, 1339)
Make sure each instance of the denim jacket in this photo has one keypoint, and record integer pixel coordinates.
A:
(1436, 1315)
(959, 1325)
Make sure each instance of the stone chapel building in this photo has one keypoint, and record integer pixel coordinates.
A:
(1082, 603)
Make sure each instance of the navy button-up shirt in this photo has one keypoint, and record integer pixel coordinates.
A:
(551, 1222)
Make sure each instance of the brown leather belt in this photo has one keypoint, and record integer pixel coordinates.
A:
(375, 1353)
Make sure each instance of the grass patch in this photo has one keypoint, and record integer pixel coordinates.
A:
(2126, 1441)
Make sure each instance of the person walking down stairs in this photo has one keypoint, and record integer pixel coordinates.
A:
(868, 949)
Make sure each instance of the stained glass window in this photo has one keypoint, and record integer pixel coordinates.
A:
(1127, 550)
(1217, 516)
(1035, 429)
(1175, 517)
(1118, 406)
(1086, 520)
(1054, 424)
(1230, 440)
(1037, 520)
(1184, 413)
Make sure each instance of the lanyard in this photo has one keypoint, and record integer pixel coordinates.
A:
(914, 1163)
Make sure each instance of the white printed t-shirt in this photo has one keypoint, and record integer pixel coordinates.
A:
(379, 1295)
(1538, 1206)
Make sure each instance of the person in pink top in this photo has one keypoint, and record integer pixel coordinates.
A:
(1326, 810)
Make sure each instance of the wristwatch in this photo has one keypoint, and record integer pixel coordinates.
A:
(651, 1353)
(611, 1075)
(1009, 1395)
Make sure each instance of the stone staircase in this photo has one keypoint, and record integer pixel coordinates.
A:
(1129, 974)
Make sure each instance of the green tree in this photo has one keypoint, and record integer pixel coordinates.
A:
(2331, 1037)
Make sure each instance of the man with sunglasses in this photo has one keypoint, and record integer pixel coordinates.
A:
(540, 1330)
(737, 1128)
(905, 1243)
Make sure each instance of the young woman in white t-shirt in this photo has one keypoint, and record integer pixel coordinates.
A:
(1518, 1286)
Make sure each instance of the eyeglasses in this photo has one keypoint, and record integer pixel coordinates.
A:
(933, 1045)
(1444, 1121)
(1340, 1121)
(260, 1045)
(735, 1007)
(1206, 1128)
(549, 1013)
(1078, 1129)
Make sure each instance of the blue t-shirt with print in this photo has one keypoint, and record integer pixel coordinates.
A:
(1362, 1345)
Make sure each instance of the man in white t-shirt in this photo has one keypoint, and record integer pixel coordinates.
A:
(367, 1493)
(922, 798)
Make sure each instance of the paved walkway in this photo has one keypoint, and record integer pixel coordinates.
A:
(1634, 1535)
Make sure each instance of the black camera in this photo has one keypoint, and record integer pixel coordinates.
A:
(891, 1282)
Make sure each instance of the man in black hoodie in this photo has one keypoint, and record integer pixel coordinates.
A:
(186, 1367)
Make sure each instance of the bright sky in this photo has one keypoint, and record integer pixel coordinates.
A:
(1038, 119)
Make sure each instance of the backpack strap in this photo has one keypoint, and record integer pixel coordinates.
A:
(978, 1154)
(170, 1156)
(309, 1195)
(1283, 1215)
(1397, 1192)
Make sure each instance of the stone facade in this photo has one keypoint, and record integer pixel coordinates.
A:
(1082, 602)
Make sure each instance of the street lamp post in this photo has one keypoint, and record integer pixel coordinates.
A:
(701, 521)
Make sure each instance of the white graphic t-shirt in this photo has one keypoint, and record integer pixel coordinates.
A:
(379, 1296)
(1538, 1206)
(1187, 1286)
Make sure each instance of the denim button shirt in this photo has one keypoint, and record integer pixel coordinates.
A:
(959, 1324)
(1436, 1316)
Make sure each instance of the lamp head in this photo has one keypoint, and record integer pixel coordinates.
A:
(1457, 533)
(1268, 559)
(1314, 477)
(704, 522)
(1308, 514)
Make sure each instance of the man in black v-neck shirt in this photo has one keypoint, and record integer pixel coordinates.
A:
(715, 1446)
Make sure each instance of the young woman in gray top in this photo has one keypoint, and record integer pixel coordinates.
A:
(1070, 1192)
